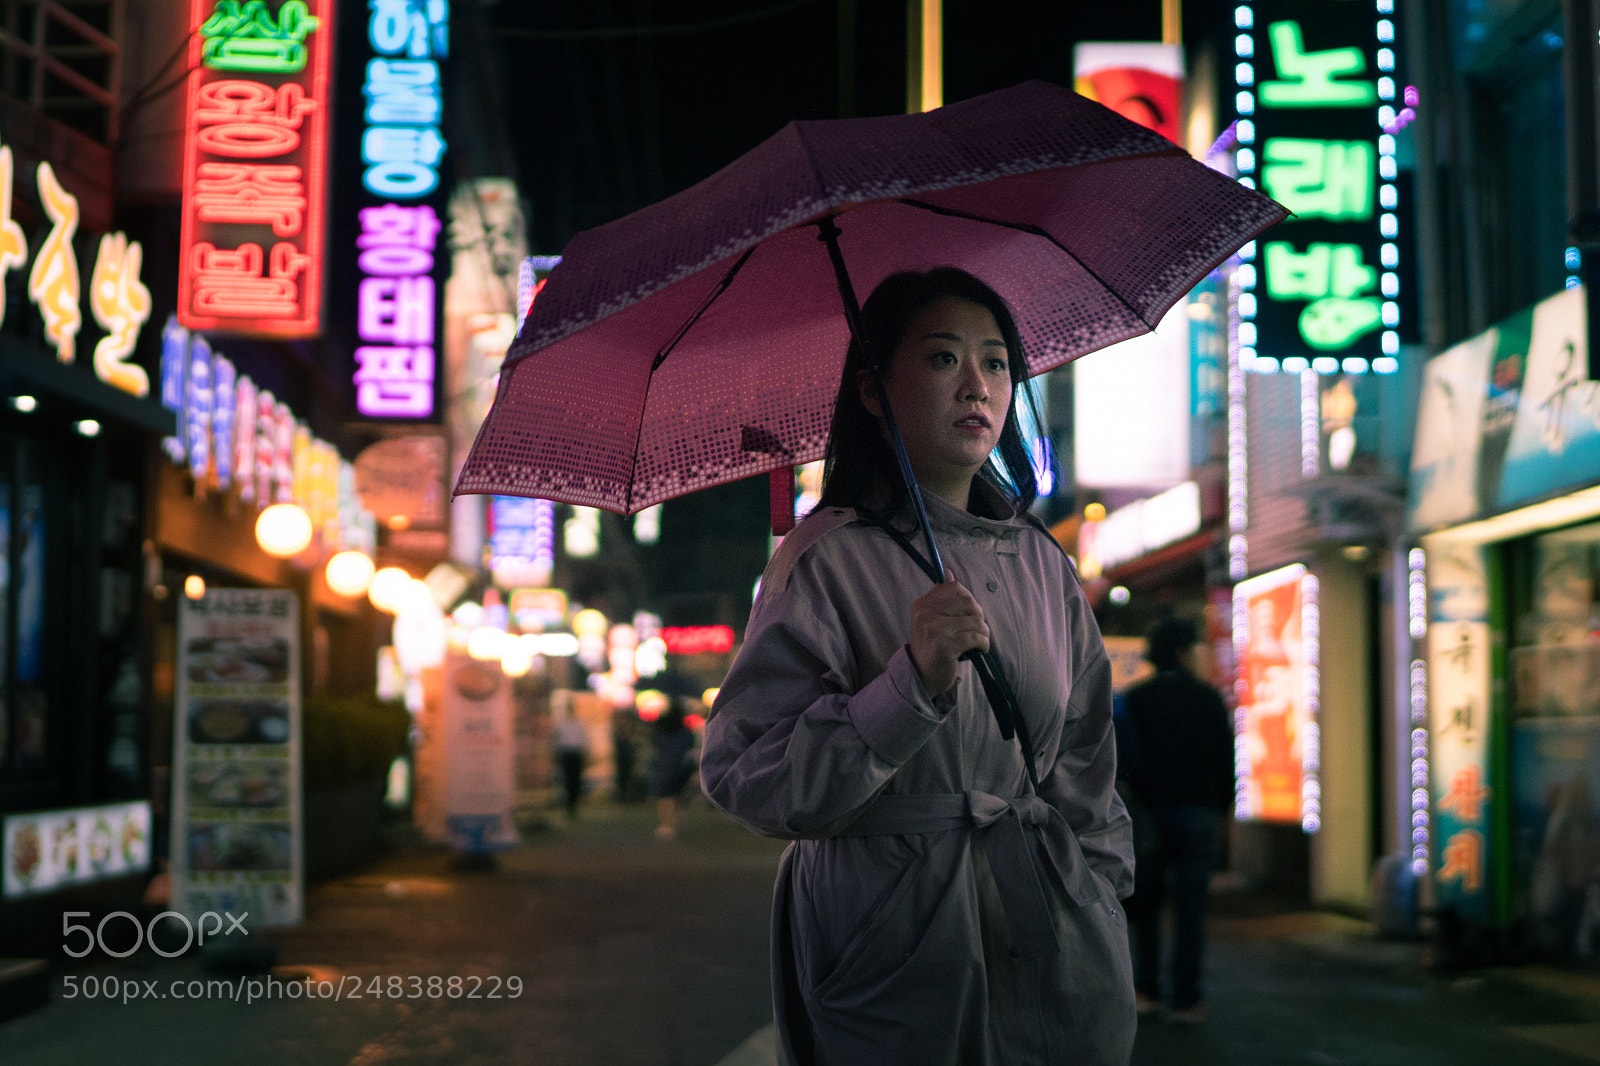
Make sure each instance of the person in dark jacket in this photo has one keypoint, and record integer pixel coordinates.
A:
(1182, 774)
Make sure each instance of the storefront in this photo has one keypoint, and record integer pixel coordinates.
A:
(76, 425)
(1505, 504)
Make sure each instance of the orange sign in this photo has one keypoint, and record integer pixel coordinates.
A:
(254, 155)
(1274, 704)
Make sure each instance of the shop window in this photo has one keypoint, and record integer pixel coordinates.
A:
(24, 537)
(1555, 658)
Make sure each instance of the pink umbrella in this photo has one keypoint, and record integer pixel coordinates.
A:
(701, 339)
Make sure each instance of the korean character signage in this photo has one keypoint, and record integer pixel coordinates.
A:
(1459, 674)
(255, 156)
(392, 201)
(1316, 98)
(118, 299)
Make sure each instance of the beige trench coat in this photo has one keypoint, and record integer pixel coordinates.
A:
(932, 909)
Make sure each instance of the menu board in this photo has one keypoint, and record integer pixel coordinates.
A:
(236, 817)
(47, 850)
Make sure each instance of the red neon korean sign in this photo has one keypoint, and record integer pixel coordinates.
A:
(693, 640)
(253, 166)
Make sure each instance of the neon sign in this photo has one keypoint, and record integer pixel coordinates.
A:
(254, 156)
(235, 436)
(13, 243)
(399, 152)
(53, 283)
(1316, 97)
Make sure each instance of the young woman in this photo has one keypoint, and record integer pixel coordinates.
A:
(934, 908)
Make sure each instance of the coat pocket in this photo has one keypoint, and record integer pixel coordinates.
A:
(873, 943)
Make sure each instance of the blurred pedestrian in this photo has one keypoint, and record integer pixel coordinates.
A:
(572, 756)
(1182, 775)
(624, 753)
(673, 742)
(934, 908)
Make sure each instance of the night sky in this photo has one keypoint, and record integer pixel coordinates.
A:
(604, 106)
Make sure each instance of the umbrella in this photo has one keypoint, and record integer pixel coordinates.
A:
(700, 340)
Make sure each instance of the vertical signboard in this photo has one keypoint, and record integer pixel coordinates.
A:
(1458, 721)
(254, 162)
(1316, 103)
(392, 205)
(1276, 644)
(465, 784)
(236, 816)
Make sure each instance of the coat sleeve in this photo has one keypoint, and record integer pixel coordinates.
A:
(791, 748)
(1081, 782)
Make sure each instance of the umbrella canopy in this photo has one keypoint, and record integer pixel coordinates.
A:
(700, 340)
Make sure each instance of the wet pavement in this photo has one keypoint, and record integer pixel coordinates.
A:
(640, 952)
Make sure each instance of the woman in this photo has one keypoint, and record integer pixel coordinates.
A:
(933, 908)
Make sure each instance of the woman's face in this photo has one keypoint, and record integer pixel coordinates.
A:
(949, 383)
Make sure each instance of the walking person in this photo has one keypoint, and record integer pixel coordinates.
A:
(1183, 776)
(673, 743)
(572, 756)
(934, 908)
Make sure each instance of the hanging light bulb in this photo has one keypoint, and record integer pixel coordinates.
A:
(350, 572)
(283, 530)
(387, 587)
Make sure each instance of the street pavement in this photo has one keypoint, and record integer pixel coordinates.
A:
(634, 951)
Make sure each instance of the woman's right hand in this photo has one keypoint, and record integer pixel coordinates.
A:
(945, 624)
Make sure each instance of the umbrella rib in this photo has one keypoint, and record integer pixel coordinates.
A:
(1037, 231)
(661, 357)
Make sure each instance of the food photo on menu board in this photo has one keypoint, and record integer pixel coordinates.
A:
(238, 721)
(238, 660)
(253, 846)
(238, 783)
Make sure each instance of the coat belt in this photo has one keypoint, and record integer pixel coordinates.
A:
(1026, 840)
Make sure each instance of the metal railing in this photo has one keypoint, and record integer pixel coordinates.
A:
(64, 61)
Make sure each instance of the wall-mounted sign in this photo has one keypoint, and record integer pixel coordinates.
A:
(1316, 90)
(694, 640)
(255, 156)
(117, 297)
(236, 437)
(47, 850)
(1506, 417)
(1276, 644)
(1138, 80)
(522, 540)
(393, 196)
(1143, 526)
(1459, 725)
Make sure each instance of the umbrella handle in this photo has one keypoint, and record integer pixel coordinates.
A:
(985, 664)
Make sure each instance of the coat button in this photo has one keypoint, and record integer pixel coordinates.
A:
(993, 585)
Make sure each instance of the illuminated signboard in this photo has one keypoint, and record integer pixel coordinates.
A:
(49, 850)
(1276, 643)
(235, 436)
(117, 297)
(253, 170)
(522, 540)
(392, 206)
(694, 640)
(1316, 98)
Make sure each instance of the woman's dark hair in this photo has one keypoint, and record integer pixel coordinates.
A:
(860, 463)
